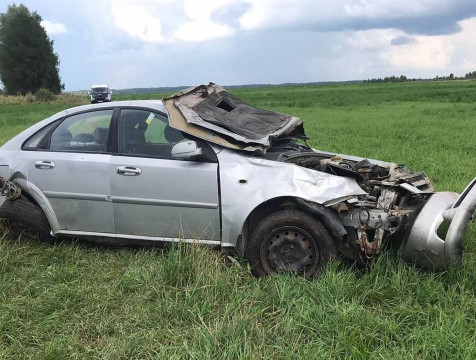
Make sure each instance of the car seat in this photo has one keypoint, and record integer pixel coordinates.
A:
(173, 136)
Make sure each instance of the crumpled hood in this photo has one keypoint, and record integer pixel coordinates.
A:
(213, 114)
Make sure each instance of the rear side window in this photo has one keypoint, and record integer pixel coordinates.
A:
(87, 132)
(34, 141)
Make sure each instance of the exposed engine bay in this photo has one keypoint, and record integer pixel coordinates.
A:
(394, 202)
(394, 197)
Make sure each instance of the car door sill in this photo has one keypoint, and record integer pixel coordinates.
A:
(134, 237)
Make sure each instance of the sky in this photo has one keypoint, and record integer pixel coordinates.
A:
(155, 43)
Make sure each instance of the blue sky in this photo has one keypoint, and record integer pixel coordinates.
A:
(151, 43)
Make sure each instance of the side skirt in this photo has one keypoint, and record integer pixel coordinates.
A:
(92, 235)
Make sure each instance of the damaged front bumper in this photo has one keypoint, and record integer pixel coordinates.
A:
(428, 244)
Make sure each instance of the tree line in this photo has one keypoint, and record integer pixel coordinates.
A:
(403, 78)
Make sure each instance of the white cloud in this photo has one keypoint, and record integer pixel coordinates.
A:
(422, 53)
(468, 65)
(427, 52)
(53, 28)
(199, 25)
(391, 9)
(376, 39)
(137, 22)
(202, 30)
(437, 52)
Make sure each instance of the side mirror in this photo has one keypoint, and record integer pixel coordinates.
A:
(89, 93)
(187, 150)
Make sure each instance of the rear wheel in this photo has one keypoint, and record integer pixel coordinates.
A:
(25, 218)
(290, 241)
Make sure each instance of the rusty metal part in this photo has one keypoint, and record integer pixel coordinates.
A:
(400, 212)
(366, 173)
(370, 248)
(341, 208)
(9, 189)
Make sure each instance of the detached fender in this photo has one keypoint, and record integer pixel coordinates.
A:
(247, 182)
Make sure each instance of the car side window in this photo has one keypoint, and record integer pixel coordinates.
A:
(86, 132)
(145, 133)
(35, 140)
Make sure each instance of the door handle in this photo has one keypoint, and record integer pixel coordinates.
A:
(44, 165)
(128, 171)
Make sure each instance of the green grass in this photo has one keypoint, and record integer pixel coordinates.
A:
(75, 300)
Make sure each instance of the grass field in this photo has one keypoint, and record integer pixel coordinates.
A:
(76, 300)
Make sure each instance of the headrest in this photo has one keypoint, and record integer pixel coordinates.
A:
(100, 135)
(85, 137)
(63, 136)
(172, 135)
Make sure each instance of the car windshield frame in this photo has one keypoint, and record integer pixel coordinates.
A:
(100, 90)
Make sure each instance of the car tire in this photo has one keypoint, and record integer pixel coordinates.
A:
(290, 241)
(25, 217)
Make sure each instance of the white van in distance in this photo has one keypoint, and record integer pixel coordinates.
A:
(100, 93)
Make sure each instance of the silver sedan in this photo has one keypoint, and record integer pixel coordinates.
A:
(202, 166)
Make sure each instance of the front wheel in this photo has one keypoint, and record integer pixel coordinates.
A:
(290, 241)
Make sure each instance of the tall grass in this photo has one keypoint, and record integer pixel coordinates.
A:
(74, 300)
(78, 300)
(66, 99)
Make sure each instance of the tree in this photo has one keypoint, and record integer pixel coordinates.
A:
(27, 60)
(471, 75)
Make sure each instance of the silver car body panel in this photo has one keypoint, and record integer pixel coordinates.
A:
(179, 198)
(77, 187)
(247, 182)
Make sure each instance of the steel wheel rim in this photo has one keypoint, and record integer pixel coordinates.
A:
(290, 249)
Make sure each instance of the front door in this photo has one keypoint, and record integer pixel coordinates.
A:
(155, 195)
(73, 172)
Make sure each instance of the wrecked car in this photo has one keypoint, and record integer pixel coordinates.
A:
(202, 166)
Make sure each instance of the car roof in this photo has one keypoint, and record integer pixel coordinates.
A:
(156, 105)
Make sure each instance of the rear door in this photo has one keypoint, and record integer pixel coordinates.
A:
(73, 172)
(155, 195)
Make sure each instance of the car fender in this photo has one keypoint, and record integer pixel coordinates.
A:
(247, 182)
(37, 195)
(15, 169)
